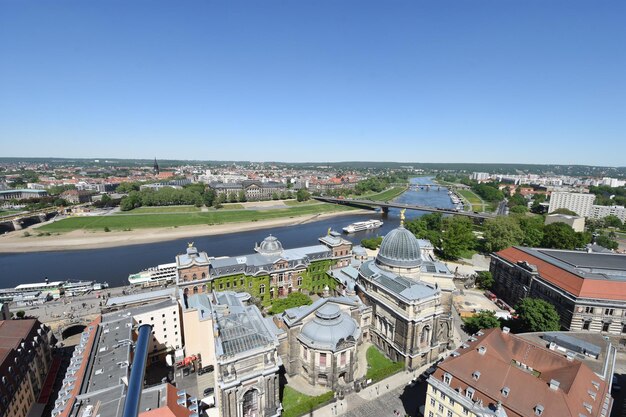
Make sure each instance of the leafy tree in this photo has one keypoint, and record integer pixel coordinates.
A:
(295, 299)
(500, 233)
(607, 241)
(131, 201)
(561, 236)
(428, 226)
(275, 196)
(484, 280)
(457, 237)
(532, 230)
(483, 320)
(208, 197)
(564, 211)
(58, 189)
(60, 202)
(303, 195)
(20, 314)
(612, 221)
(536, 315)
(517, 200)
(242, 196)
(127, 187)
(372, 243)
(518, 209)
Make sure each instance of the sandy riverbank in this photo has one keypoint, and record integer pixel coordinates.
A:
(15, 242)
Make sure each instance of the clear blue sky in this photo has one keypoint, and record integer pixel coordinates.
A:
(467, 81)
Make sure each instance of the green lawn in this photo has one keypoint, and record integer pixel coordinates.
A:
(161, 209)
(386, 195)
(476, 202)
(139, 221)
(296, 403)
(232, 206)
(296, 203)
(379, 366)
(9, 212)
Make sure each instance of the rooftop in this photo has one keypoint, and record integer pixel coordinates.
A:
(506, 368)
(589, 275)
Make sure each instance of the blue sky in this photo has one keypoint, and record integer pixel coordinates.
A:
(464, 81)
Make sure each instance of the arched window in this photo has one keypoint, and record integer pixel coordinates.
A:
(262, 289)
(251, 403)
(195, 289)
(203, 275)
(194, 277)
(424, 335)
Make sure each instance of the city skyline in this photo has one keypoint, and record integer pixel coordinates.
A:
(485, 83)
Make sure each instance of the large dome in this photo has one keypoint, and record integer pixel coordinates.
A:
(399, 249)
(328, 327)
(270, 246)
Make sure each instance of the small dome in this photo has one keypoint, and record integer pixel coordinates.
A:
(399, 249)
(328, 327)
(270, 246)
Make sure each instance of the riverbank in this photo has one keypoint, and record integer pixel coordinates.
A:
(16, 242)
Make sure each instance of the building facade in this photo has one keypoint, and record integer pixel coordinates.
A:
(322, 340)
(588, 290)
(600, 212)
(254, 190)
(26, 358)
(579, 203)
(247, 360)
(498, 374)
(410, 322)
(575, 222)
(270, 273)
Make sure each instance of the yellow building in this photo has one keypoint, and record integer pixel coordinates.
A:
(25, 359)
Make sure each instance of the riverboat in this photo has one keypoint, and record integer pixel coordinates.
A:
(158, 275)
(360, 226)
(51, 289)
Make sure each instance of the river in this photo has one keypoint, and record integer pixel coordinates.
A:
(113, 265)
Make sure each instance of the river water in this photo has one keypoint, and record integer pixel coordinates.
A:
(113, 265)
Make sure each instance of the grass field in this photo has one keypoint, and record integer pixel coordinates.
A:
(379, 366)
(161, 209)
(9, 212)
(233, 206)
(385, 195)
(143, 221)
(476, 202)
(297, 403)
(296, 203)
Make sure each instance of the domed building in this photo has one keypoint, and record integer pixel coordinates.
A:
(322, 340)
(411, 322)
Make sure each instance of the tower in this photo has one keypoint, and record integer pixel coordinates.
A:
(156, 167)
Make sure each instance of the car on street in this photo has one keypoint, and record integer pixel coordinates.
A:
(208, 391)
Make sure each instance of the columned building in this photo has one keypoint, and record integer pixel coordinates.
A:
(410, 321)
(322, 340)
(588, 290)
(272, 272)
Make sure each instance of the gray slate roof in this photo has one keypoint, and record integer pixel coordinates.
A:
(329, 327)
(404, 288)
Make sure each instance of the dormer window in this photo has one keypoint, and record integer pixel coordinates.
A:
(469, 393)
(505, 391)
(447, 378)
(482, 350)
(588, 407)
(538, 409)
(476, 375)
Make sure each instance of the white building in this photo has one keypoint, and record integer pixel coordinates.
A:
(576, 222)
(600, 212)
(479, 176)
(577, 202)
(613, 182)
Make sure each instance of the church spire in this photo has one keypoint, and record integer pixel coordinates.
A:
(156, 166)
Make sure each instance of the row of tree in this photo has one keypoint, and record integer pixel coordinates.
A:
(532, 315)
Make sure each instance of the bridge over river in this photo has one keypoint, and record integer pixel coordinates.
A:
(385, 205)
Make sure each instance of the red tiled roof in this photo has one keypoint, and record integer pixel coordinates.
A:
(572, 283)
(526, 390)
(170, 409)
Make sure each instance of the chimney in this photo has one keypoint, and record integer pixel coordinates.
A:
(482, 350)
(505, 330)
(554, 384)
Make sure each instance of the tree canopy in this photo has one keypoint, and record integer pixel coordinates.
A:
(483, 320)
(536, 315)
(303, 195)
(372, 242)
(484, 280)
(295, 299)
(561, 236)
(501, 232)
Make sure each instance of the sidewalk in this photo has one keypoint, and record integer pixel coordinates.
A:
(371, 393)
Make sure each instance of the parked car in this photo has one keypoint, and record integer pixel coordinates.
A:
(208, 391)
(206, 369)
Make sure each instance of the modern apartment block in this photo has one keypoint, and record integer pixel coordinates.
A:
(600, 212)
(588, 290)
(579, 203)
(499, 374)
